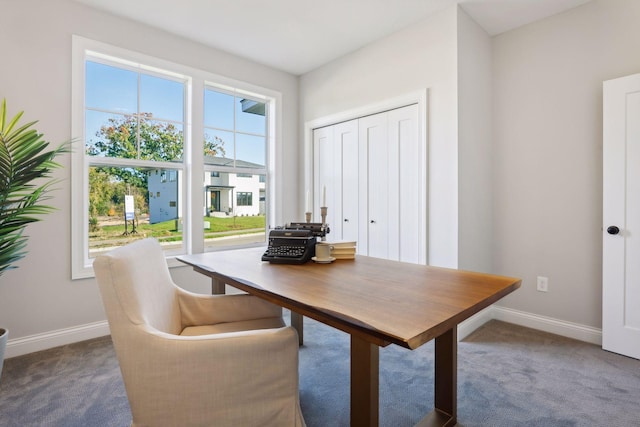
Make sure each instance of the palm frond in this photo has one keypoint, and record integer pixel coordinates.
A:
(25, 181)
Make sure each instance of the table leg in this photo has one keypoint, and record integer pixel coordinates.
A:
(217, 286)
(446, 375)
(365, 358)
(298, 325)
(446, 382)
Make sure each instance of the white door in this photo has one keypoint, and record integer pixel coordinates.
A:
(394, 184)
(621, 216)
(346, 218)
(375, 154)
(336, 177)
(324, 179)
(407, 192)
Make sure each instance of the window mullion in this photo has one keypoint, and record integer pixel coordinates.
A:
(195, 162)
(235, 129)
(138, 117)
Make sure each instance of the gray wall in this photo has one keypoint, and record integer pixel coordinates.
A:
(40, 297)
(547, 91)
(539, 158)
(475, 152)
(515, 141)
(422, 56)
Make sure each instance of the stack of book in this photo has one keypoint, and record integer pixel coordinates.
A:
(343, 250)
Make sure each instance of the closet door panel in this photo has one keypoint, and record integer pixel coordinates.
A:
(346, 220)
(363, 191)
(373, 142)
(324, 174)
(394, 166)
(403, 126)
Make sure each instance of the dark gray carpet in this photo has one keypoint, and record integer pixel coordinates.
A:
(507, 376)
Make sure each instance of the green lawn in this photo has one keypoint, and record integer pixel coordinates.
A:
(234, 223)
(167, 231)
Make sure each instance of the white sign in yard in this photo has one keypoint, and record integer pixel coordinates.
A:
(129, 208)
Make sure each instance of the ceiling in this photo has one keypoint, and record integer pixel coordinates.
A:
(297, 36)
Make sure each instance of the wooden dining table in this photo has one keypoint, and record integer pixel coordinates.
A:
(378, 302)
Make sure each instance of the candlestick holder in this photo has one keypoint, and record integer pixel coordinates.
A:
(308, 217)
(325, 228)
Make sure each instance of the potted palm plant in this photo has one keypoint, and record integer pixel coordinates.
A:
(25, 180)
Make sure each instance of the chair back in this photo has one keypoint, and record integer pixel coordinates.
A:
(137, 288)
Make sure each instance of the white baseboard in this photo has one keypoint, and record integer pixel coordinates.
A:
(44, 341)
(534, 321)
(474, 322)
(548, 324)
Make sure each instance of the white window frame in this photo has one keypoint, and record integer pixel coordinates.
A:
(193, 158)
(239, 93)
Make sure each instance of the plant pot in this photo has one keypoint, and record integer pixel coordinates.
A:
(4, 335)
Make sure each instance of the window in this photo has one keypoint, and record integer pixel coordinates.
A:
(244, 199)
(236, 150)
(133, 118)
(133, 140)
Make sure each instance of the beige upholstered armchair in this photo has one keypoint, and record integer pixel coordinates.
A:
(196, 360)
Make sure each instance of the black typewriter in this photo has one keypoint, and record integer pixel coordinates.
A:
(290, 246)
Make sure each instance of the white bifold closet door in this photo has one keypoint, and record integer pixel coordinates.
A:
(373, 170)
(336, 150)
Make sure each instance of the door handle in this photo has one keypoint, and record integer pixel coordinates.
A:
(372, 222)
(612, 229)
(346, 220)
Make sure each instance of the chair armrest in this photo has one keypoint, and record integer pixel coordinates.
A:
(201, 309)
(239, 378)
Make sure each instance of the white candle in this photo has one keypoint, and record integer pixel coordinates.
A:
(307, 204)
(324, 196)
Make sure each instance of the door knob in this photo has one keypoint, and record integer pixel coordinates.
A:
(612, 229)
(346, 220)
(372, 222)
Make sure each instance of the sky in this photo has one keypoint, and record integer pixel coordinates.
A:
(112, 92)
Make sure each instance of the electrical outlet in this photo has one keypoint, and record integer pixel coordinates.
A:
(543, 284)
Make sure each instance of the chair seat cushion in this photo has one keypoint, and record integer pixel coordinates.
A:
(246, 325)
